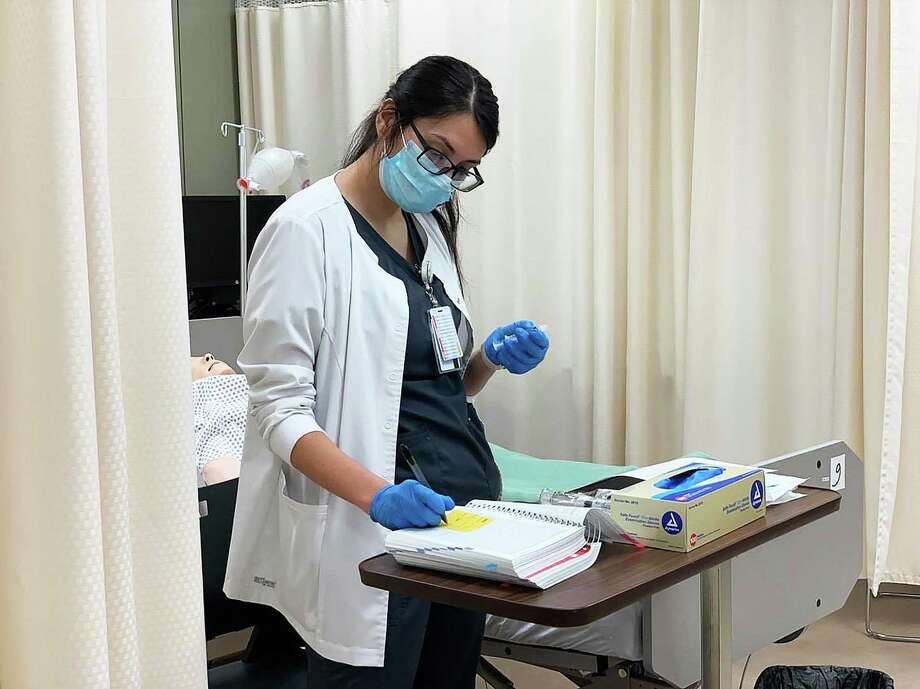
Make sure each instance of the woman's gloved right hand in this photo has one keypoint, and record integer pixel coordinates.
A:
(519, 347)
(409, 505)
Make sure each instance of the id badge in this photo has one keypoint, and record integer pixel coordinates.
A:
(447, 348)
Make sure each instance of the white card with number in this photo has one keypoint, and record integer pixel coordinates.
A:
(838, 474)
(446, 342)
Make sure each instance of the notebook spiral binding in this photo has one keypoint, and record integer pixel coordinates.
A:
(592, 531)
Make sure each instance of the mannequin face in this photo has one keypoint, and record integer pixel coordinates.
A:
(207, 365)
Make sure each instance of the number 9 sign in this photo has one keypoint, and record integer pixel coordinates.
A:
(838, 472)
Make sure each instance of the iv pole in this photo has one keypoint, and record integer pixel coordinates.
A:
(241, 142)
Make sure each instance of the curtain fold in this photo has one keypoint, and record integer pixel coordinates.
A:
(875, 261)
(100, 573)
(776, 256)
(896, 555)
(690, 193)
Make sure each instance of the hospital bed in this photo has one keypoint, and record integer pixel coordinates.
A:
(778, 589)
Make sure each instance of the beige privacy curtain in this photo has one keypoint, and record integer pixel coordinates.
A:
(687, 192)
(677, 191)
(100, 575)
(897, 478)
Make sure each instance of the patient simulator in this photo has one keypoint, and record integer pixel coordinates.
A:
(219, 400)
(778, 589)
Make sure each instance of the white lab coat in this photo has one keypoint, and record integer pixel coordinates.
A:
(324, 343)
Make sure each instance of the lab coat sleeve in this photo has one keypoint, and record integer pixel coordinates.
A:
(282, 329)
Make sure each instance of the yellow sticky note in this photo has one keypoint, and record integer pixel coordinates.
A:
(461, 520)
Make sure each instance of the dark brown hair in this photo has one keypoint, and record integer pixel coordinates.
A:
(434, 87)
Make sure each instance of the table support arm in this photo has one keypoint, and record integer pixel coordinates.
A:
(716, 626)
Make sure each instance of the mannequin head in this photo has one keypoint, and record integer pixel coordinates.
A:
(207, 365)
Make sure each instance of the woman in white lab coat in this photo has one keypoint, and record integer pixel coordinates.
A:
(348, 382)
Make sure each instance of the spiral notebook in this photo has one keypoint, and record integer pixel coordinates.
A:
(531, 545)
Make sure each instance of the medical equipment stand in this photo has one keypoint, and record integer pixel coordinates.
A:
(887, 637)
(243, 145)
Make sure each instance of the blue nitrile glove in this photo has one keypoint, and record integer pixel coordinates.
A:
(409, 505)
(518, 354)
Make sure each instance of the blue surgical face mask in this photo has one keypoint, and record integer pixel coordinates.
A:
(409, 185)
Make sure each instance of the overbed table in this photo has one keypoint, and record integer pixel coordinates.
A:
(621, 576)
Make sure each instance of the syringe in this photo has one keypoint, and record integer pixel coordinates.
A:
(513, 338)
(551, 497)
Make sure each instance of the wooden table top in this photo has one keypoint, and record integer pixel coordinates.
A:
(621, 576)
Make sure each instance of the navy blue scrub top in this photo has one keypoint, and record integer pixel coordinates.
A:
(436, 423)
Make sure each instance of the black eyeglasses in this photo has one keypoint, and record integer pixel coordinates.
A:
(437, 163)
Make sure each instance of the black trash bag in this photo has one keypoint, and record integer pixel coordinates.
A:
(817, 677)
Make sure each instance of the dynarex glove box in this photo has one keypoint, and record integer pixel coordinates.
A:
(690, 505)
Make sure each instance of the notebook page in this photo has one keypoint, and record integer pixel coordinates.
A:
(561, 520)
(600, 520)
(502, 537)
(567, 512)
(565, 567)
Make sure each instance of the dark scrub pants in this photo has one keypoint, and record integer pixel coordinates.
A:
(428, 646)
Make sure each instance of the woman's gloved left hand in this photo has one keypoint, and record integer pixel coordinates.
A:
(518, 347)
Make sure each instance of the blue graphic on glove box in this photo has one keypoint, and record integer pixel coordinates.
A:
(672, 523)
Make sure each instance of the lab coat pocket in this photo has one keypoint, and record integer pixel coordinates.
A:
(301, 529)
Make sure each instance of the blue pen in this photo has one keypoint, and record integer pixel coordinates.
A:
(416, 471)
